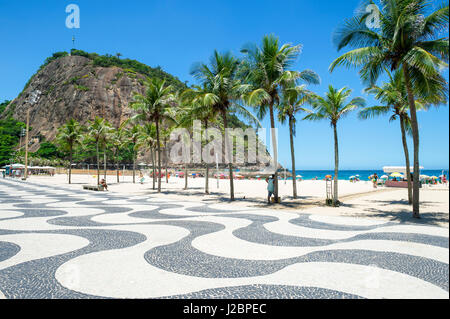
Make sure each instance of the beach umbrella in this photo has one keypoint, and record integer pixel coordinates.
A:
(328, 176)
(384, 177)
(352, 177)
(424, 176)
(396, 174)
(434, 177)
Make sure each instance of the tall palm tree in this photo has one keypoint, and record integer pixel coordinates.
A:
(133, 134)
(409, 39)
(106, 143)
(97, 130)
(165, 134)
(265, 68)
(394, 97)
(68, 136)
(294, 98)
(152, 107)
(333, 107)
(119, 141)
(220, 80)
(147, 139)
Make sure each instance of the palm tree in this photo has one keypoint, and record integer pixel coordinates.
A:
(105, 142)
(294, 97)
(152, 107)
(69, 135)
(97, 130)
(220, 80)
(165, 133)
(133, 137)
(408, 40)
(265, 69)
(333, 107)
(394, 97)
(119, 140)
(147, 133)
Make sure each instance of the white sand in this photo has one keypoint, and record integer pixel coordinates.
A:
(359, 199)
(251, 189)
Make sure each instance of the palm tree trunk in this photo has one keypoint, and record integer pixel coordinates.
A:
(275, 150)
(230, 165)
(104, 162)
(134, 166)
(185, 176)
(415, 133)
(291, 135)
(70, 165)
(159, 155)
(336, 165)
(207, 167)
(405, 149)
(98, 165)
(153, 167)
(166, 158)
(117, 172)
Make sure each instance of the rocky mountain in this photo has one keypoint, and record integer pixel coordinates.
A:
(74, 87)
(82, 86)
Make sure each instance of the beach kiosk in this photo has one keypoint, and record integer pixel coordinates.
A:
(14, 170)
(17, 170)
(397, 176)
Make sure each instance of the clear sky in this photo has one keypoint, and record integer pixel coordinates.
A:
(175, 33)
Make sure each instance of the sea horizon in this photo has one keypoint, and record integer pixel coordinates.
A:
(363, 173)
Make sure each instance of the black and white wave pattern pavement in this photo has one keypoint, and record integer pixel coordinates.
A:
(57, 242)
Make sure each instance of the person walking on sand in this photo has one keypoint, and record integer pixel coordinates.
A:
(374, 180)
(270, 187)
(141, 177)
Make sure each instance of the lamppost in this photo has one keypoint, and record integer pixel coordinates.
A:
(26, 146)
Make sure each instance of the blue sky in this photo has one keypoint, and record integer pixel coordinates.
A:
(175, 34)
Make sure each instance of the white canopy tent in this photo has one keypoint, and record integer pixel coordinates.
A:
(398, 169)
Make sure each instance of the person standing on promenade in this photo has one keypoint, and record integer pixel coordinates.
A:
(270, 187)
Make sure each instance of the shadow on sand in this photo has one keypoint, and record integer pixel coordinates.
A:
(404, 215)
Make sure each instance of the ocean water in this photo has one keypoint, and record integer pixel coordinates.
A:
(363, 174)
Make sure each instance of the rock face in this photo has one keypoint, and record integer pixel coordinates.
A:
(72, 87)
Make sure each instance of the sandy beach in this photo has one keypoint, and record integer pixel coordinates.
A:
(358, 199)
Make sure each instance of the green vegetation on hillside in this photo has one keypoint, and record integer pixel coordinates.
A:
(9, 135)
